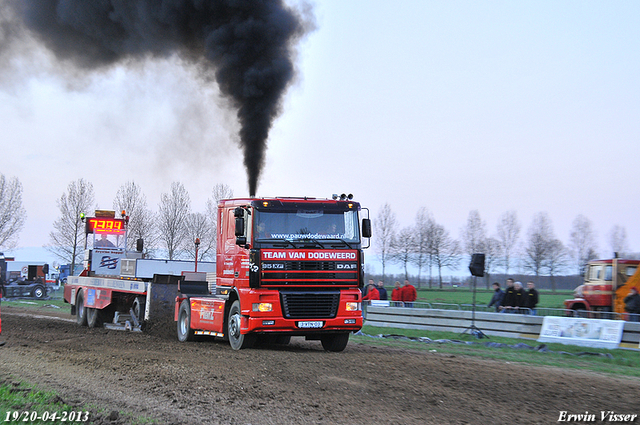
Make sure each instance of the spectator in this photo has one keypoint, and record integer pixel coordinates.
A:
(381, 290)
(520, 296)
(632, 305)
(531, 297)
(396, 294)
(498, 296)
(509, 299)
(365, 290)
(409, 294)
(372, 292)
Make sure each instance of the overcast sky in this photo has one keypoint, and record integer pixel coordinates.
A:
(458, 105)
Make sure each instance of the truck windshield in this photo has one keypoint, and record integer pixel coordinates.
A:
(303, 224)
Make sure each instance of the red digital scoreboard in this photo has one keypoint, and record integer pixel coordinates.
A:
(105, 225)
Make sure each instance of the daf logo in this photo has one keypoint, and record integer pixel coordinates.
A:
(346, 266)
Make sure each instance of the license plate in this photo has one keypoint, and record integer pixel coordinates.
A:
(313, 324)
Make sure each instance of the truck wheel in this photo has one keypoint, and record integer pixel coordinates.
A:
(39, 292)
(185, 333)
(138, 308)
(94, 317)
(81, 311)
(334, 342)
(237, 340)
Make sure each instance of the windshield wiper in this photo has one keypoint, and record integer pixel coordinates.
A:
(315, 241)
(276, 241)
(345, 242)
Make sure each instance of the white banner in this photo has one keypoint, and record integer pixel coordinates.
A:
(597, 333)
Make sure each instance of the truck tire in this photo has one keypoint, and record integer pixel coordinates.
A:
(237, 340)
(138, 308)
(39, 292)
(185, 333)
(81, 311)
(334, 342)
(94, 317)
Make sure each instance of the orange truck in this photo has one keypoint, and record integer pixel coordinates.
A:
(605, 286)
(284, 267)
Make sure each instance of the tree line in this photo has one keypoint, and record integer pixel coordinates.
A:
(172, 228)
(429, 247)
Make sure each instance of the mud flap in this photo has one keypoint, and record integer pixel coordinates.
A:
(160, 306)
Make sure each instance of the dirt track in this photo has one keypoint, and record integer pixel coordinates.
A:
(207, 382)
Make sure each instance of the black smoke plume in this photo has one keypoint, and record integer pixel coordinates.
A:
(247, 46)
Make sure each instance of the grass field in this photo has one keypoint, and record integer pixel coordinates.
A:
(619, 362)
(548, 299)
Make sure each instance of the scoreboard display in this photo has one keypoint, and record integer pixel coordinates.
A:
(105, 225)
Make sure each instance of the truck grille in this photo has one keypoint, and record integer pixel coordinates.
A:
(309, 273)
(310, 305)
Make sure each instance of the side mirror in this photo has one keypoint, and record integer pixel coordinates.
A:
(239, 226)
(366, 228)
(45, 269)
(140, 245)
(241, 240)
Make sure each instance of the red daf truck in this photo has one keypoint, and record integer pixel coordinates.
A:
(284, 267)
(606, 284)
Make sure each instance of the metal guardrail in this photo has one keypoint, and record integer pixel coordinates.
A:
(560, 312)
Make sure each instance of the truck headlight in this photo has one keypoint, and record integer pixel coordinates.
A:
(351, 306)
(262, 307)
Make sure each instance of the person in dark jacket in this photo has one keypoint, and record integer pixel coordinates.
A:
(498, 296)
(509, 299)
(520, 296)
(382, 291)
(531, 297)
(632, 305)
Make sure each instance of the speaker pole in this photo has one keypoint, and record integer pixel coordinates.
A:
(477, 269)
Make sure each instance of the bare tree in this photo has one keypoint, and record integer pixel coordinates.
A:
(403, 248)
(540, 235)
(491, 258)
(423, 240)
(385, 229)
(582, 242)
(141, 219)
(173, 211)
(446, 251)
(474, 234)
(618, 240)
(68, 237)
(12, 213)
(220, 191)
(556, 261)
(508, 232)
(199, 226)
(474, 237)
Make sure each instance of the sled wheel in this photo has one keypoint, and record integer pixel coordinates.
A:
(94, 317)
(81, 311)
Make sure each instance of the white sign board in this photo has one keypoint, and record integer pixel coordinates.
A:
(596, 333)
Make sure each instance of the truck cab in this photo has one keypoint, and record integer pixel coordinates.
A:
(285, 267)
(602, 279)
